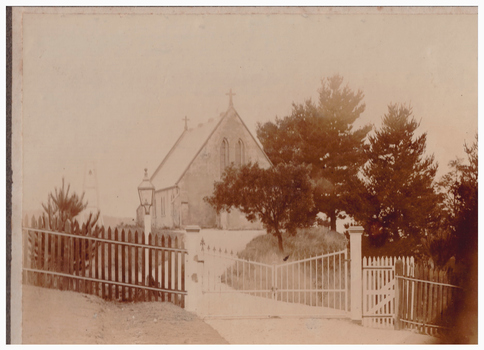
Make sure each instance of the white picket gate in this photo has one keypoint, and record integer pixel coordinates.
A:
(234, 287)
(378, 281)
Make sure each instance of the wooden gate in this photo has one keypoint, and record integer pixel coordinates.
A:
(378, 281)
(235, 287)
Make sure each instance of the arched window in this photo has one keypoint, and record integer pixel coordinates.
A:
(224, 155)
(239, 153)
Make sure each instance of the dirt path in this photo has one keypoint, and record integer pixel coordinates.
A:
(55, 317)
(310, 331)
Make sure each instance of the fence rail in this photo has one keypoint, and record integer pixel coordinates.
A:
(108, 263)
(425, 301)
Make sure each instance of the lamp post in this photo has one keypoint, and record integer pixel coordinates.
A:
(146, 192)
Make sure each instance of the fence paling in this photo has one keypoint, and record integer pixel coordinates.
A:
(156, 267)
(70, 261)
(123, 267)
(425, 299)
(130, 266)
(170, 269)
(163, 272)
(90, 279)
(89, 263)
(177, 301)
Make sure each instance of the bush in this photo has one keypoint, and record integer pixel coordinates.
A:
(305, 243)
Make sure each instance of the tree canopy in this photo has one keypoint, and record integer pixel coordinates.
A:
(398, 194)
(280, 197)
(456, 233)
(322, 136)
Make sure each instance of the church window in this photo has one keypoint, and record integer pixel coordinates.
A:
(224, 155)
(239, 153)
(162, 206)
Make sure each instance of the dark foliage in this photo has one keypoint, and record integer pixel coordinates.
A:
(455, 235)
(322, 135)
(398, 197)
(280, 197)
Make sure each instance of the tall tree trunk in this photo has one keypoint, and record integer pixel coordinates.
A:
(279, 241)
(332, 220)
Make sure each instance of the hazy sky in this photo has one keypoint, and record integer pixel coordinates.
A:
(113, 89)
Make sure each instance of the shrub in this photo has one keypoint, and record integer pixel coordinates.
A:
(307, 242)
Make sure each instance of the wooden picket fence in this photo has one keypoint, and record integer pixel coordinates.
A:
(425, 301)
(107, 263)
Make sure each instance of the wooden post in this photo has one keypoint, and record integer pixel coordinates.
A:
(170, 270)
(163, 269)
(156, 267)
(147, 271)
(356, 285)
(398, 290)
(136, 267)
(192, 277)
(175, 273)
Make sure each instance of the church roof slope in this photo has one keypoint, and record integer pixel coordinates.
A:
(186, 149)
(183, 153)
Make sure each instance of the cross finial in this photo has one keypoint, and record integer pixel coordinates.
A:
(230, 94)
(186, 122)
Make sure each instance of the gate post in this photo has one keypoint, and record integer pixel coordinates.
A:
(398, 289)
(192, 278)
(356, 285)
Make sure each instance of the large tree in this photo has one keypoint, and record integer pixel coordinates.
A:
(398, 195)
(322, 135)
(280, 197)
(456, 234)
(466, 190)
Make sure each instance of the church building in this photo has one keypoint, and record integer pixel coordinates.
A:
(194, 163)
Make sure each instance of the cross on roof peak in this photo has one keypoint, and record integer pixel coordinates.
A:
(186, 122)
(230, 94)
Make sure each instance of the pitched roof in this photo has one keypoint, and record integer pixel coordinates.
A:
(186, 149)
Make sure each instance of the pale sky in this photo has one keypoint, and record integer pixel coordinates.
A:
(113, 89)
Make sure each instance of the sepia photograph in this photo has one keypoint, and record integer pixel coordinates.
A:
(244, 175)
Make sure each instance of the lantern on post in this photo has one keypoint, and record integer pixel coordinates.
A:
(146, 192)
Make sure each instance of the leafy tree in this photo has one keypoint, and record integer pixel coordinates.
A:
(398, 193)
(322, 136)
(280, 197)
(63, 206)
